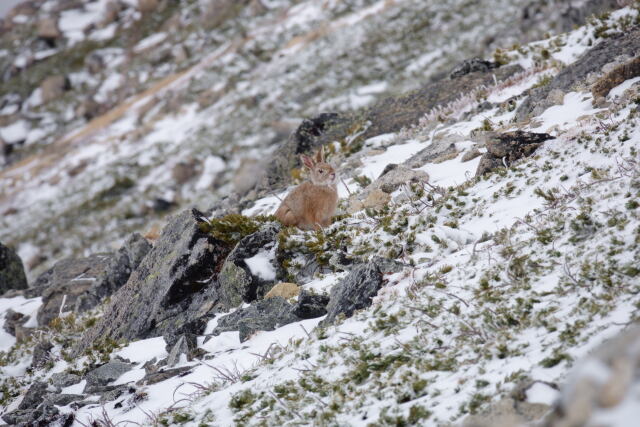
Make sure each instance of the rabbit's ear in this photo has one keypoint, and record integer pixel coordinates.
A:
(307, 161)
(320, 155)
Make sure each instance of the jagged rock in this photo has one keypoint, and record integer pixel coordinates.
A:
(264, 315)
(116, 274)
(283, 289)
(64, 379)
(53, 87)
(508, 147)
(354, 292)
(62, 399)
(471, 66)
(42, 415)
(13, 319)
(164, 374)
(507, 412)
(34, 395)
(305, 139)
(48, 29)
(41, 354)
(67, 280)
(237, 283)
(310, 306)
(440, 150)
(11, 270)
(106, 373)
(575, 75)
(185, 344)
(173, 290)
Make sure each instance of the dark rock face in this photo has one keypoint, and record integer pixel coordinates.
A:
(173, 290)
(237, 283)
(11, 270)
(264, 315)
(34, 395)
(354, 292)
(508, 147)
(13, 319)
(117, 272)
(311, 306)
(303, 140)
(65, 282)
(575, 74)
(471, 66)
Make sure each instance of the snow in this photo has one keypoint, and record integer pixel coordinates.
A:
(213, 165)
(75, 388)
(74, 22)
(111, 83)
(148, 42)
(574, 106)
(15, 132)
(619, 90)
(374, 165)
(542, 393)
(144, 350)
(28, 307)
(261, 264)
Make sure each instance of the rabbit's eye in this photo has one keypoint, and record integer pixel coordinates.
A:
(320, 171)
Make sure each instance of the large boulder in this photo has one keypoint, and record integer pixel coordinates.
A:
(174, 289)
(238, 283)
(65, 282)
(264, 315)
(117, 272)
(504, 149)
(11, 270)
(354, 292)
(576, 75)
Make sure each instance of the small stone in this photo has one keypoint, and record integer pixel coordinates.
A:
(53, 87)
(470, 155)
(12, 274)
(185, 344)
(284, 289)
(311, 306)
(48, 29)
(41, 354)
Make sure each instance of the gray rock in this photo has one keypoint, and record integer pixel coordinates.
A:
(576, 74)
(164, 374)
(471, 66)
(11, 270)
(237, 283)
(354, 292)
(66, 281)
(508, 147)
(43, 415)
(263, 315)
(173, 290)
(34, 395)
(116, 273)
(106, 373)
(310, 306)
(185, 344)
(64, 379)
(62, 399)
(13, 319)
(41, 354)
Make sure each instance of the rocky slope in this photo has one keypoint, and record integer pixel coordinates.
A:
(484, 257)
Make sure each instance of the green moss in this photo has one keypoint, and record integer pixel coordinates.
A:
(233, 227)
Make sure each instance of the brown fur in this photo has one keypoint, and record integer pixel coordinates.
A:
(311, 205)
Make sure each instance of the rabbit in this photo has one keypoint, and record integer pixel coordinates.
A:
(311, 205)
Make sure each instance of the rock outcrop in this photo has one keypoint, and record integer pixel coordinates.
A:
(11, 270)
(577, 75)
(65, 282)
(354, 292)
(504, 149)
(173, 289)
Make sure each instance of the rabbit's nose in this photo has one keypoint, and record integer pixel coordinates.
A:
(333, 176)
